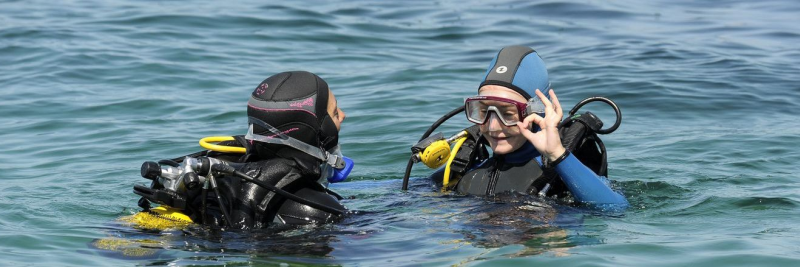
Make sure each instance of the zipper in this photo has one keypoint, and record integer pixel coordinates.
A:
(494, 175)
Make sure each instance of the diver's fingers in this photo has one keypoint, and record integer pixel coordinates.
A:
(523, 129)
(550, 112)
(533, 118)
(526, 123)
(545, 101)
(556, 104)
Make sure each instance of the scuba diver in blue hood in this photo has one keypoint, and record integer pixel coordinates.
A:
(275, 174)
(529, 141)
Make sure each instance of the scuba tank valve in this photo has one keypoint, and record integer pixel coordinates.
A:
(174, 186)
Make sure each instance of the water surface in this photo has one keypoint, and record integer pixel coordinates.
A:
(706, 152)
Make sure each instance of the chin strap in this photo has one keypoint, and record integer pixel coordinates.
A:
(281, 138)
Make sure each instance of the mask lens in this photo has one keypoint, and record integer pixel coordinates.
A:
(478, 111)
(507, 113)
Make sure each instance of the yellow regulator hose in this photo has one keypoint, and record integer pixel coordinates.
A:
(206, 143)
(446, 178)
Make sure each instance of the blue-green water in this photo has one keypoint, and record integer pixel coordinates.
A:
(707, 152)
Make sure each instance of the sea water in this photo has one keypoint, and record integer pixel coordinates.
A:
(706, 153)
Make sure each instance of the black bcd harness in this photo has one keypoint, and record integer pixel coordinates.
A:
(281, 190)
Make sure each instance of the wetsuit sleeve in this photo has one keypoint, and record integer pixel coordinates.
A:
(586, 186)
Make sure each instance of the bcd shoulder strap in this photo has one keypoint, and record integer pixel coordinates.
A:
(473, 151)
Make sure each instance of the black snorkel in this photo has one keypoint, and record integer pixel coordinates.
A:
(604, 100)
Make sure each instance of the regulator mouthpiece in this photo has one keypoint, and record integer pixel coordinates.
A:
(434, 151)
(341, 174)
(435, 155)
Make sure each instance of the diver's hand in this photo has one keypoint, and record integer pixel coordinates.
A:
(547, 141)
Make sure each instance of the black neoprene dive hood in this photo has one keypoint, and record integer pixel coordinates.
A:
(295, 103)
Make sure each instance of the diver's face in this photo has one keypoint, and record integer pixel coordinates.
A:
(503, 139)
(336, 114)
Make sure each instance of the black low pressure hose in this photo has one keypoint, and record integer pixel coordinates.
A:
(604, 164)
(605, 100)
(226, 215)
(203, 195)
(408, 172)
(169, 162)
(222, 168)
(428, 133)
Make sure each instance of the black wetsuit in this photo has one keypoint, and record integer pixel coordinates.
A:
(252, 206)
(514, 172)
(520, 172)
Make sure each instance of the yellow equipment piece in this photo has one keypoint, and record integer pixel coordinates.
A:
(141, 248)
(435, 154)
(456, 147)
(205, 143)
(158, 218)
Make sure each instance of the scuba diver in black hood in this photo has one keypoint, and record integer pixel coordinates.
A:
(527, 137)
(275, 174)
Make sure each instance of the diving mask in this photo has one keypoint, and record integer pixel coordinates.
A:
(508, 111)
(339, 164)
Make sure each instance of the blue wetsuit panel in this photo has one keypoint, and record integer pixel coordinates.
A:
(585, 185)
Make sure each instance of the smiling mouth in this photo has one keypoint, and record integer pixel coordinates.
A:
(498, 138)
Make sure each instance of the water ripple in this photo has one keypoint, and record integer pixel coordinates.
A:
(705, 153)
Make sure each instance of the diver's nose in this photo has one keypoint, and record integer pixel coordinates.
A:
(494, 122)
